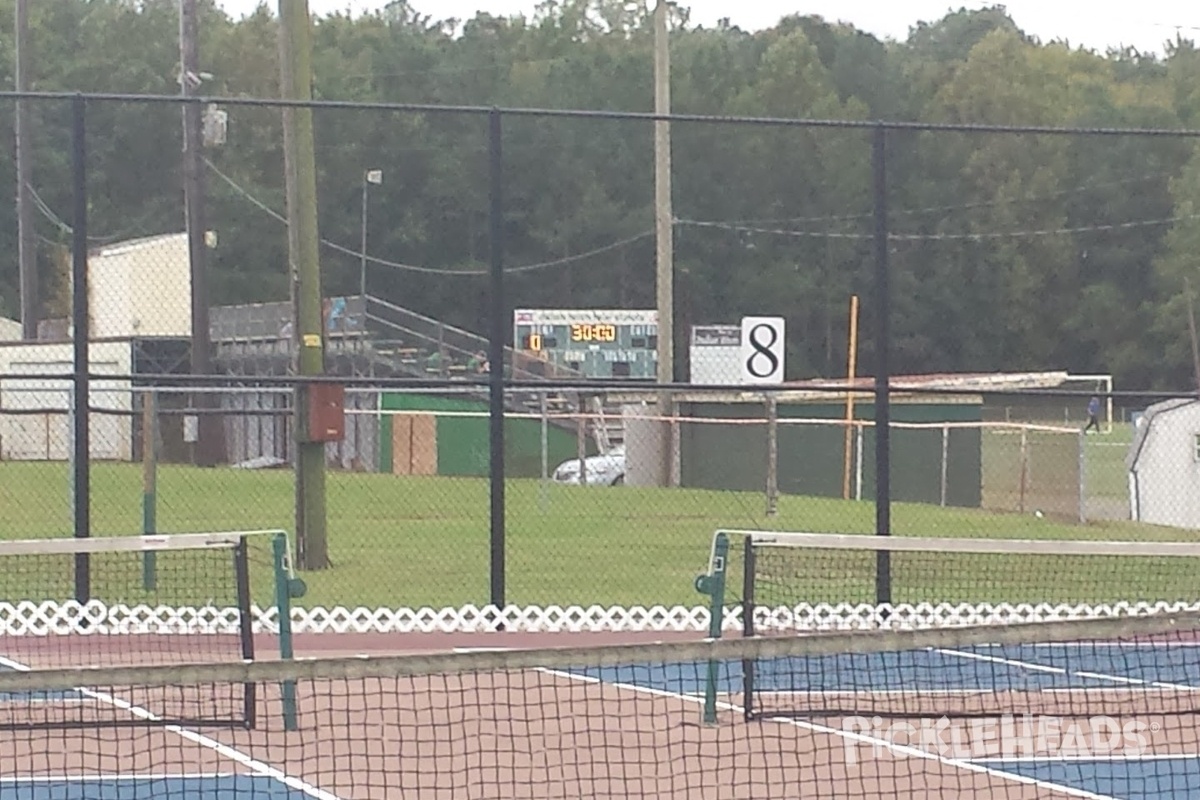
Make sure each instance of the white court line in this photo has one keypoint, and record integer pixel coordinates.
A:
(856, 737)
(251, 763)
(149, 776)
(1106, 691)
(1013, 662)
(1094, 645)
(1113, 757)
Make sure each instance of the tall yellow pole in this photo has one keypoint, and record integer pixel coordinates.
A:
(852, 358)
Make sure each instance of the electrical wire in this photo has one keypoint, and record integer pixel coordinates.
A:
(937, 237)
(558, 262)
(57, 221)
(866, 215)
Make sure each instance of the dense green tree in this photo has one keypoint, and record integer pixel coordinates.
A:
(1009, 251)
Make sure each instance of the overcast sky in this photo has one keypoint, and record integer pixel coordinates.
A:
(1145, 24)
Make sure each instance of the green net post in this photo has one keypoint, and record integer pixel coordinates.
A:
(713, 585)
(149, 485)
(286, 587)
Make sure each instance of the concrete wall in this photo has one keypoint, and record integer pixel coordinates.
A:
(645, 439)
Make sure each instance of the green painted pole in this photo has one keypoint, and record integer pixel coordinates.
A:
(285, 589)
(150, 485)
(713, 585)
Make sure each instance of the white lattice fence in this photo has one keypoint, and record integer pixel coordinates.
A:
(49, 618)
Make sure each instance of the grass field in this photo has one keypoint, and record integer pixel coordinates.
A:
(424, 541)
(1051, 469)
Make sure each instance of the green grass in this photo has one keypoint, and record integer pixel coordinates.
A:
(1053, 472)
(972, 578)
(424, 541)
(1105, 457)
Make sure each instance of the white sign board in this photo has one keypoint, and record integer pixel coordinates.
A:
(569, 316)
(762, 350)
(715, 355)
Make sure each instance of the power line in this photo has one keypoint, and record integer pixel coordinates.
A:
(935, 237)
(693, 223)
(866, 215)
(46, 211)
(1115, 226)
(558, 262)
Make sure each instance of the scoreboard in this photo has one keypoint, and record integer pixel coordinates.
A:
(599, 343)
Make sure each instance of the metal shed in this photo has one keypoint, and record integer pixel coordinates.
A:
(1164, 465)
(10, 330)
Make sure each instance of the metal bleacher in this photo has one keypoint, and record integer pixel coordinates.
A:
(371, 337)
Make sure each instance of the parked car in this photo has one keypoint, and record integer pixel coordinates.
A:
(603, 470)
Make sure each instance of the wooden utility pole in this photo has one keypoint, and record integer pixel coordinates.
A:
(1191, 311)
(26, 243)
(208, 427)
(664, 218)
(295, 57)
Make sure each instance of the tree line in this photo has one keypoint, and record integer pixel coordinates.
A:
(1009, 251)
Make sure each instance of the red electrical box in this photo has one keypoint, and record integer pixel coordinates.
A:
(326, 412)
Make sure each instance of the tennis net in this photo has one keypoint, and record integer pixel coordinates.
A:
(607, 721)
(127, 600)
(795, 583)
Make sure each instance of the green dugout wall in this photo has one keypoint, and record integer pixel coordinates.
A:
(810, 456)
(458, 445)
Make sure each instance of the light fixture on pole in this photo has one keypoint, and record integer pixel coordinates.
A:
(370, 177)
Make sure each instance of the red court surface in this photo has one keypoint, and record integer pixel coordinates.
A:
(520, 734)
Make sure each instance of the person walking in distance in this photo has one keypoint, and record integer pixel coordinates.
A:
(1093, 412)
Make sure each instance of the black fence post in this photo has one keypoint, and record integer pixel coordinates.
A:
(496, 356)
(80, 400)
(883, 487)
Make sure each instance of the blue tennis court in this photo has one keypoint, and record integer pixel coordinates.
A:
(148, 787)
(979, 668)
(66, 784)
(1083, 679)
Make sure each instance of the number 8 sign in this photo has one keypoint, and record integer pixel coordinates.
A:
(762, 353)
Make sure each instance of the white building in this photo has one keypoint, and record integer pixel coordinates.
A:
(1164, 465)
(35, 421)
(10, 330)
(141, 288)
(137, 290)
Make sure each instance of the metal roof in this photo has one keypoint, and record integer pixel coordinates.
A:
(991, 381)
(1151, 413)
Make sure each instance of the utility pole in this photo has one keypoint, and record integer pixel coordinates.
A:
(295, 58)
(26, 244)
(1191, 312)
(664, 218)
(208, 425)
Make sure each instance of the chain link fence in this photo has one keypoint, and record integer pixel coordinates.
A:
(612, 482)
(587, 521)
